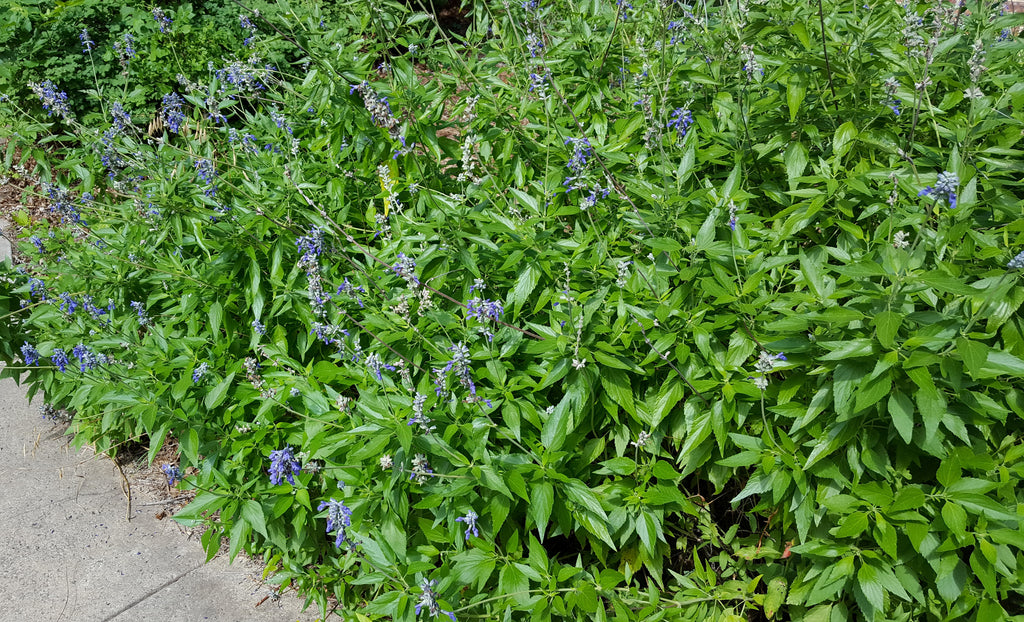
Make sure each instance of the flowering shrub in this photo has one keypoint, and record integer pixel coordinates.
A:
(628, 311)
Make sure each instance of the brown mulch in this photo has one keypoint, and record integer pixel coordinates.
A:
(21, 198)
(150, 490)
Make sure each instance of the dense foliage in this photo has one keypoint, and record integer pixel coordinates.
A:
(630, 311)
(154, 45)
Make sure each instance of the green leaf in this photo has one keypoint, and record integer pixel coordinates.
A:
(580, 494)
(216, 396)
(216, 315)
(620, 466)
(985, 573)
(561, 421)
(947, 283)
(742, 459)
(955, 518)
(974, 355)
(252, 513)
(901, 409)
(812, 276)
(843, 350)
(796, 91)
(796, 161)
(870, 588)
(490, 478)
(775, 596)
(541, 502)
(379, 555)
(616, 383)
(843, 139)
(670, 394)
(951, 577)
(189, 444)
(524, 286)
(191, 514)
(513, 582)
(517, 484)
(885, 536)
(872, 390)
(659, 245)
(887, 324)
(239, 535)
(907, 498)
(983, 505)
(1000, 363)
(853, 525)
(799, 31)
(473, 566)
(646, 529)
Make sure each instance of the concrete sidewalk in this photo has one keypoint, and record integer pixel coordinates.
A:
(71, 554)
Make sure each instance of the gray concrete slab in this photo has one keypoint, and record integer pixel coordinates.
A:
(5, 245)
(71, 555)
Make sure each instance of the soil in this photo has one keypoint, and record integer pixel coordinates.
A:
(21, 197)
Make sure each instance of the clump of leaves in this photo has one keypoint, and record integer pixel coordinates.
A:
(629, 311)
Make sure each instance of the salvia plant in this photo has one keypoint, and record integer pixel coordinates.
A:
(568, 310)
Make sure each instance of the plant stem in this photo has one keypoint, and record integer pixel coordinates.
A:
(828, 65)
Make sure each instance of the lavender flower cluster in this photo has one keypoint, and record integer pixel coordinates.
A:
(378, 107)
(470, 519)
(29, 354)
(172, 472)
(428, 600)
(55, 102)
(945, 188)
(339, 516)
(171, 112)
(681, 121)
(162, 20)
(764, 366)
(312, 246)
(283, 465)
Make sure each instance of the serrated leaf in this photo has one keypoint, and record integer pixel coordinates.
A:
(542, 500)
(872, 390)
(204, 502)
(1000, 363)
(490, 478)
(887, 324)
(853, 525)
(216, 396)
(473, 566)
(796, 91)
(524, 286)
(955, 518)
(580, 494)
(950, 578)
(561, 422)
(812, 275)
(645, 528)
(974, 355)
(216, 316)
(901, 409)
(670, 394)
(616, 383)
(983, 505)
(252, 512)
(796, 161)
(870, 587)
(620, 466)
(843, 139)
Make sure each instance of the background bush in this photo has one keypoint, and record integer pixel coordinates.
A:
(601, 311)
(41, 40)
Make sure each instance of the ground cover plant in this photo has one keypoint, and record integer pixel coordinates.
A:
(610, 311)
